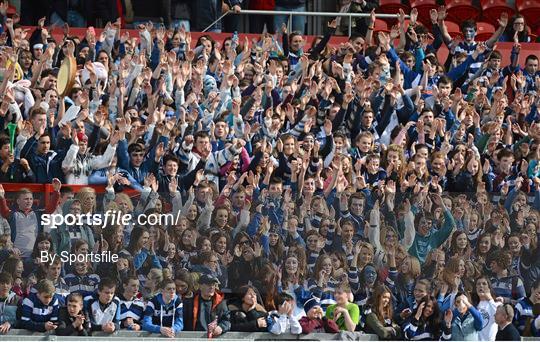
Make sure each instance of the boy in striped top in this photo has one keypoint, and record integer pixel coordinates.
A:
(40, 310)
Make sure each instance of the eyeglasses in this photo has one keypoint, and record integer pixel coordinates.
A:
(243, 242)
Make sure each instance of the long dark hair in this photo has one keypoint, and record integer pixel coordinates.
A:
(267, 278)
(42, 237)
(376, 304)
(474, 295)
(434, 320)
(136, 235)
(243, 290)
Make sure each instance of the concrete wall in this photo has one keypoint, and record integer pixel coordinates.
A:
(25, 335)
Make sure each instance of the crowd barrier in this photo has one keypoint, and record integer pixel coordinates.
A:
(46, 189)
(25, 335)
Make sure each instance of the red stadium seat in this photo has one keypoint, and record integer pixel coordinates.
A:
(492, 10)
(485, 31)
(392, 7)
(530, 10)
(11, 10)
(460, 10)
(423, 7)
(380, 25)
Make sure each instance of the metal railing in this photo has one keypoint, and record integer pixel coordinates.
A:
(291, 14)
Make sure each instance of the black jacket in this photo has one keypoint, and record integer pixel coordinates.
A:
(205, 12)
(65, 325)
(246, 321)
(509, 333)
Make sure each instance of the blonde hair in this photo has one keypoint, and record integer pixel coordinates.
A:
(82, 195)
(124, 197)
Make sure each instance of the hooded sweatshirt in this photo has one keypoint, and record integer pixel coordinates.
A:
(159, 314)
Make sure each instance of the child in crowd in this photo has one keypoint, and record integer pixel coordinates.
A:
(103, 307)
(40, 310)
(72, 320)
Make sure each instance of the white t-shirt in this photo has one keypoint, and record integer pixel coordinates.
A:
(487, 310)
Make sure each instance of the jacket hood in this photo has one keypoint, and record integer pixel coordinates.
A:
(66, 207)
(160, 300)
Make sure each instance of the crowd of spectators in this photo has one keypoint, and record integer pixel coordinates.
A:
(366, 186)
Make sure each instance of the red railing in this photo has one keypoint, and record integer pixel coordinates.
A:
(47, 189)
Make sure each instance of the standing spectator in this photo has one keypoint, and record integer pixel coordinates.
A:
(298, 22)
(315, 321)
(25, 222)
(205, 12)
(344, 313)
(207, 310)
(72, 321)
(507, 331)
(163, 313)
(71, 12)
(247, 313)
(257, 23)
(40, 310)
(103, 307)
(9, 300)
(467, 321)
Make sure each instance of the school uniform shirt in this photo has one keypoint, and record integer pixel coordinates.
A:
(99, 313)
(523, 313)
(35, 314)
(85, 284)
(131, 308)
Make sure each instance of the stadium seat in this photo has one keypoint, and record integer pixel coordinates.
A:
(423, 7)
(460, 10)
(485, 30)
(492, 10)
(392, 7)
(453, 29)
(11, 10)
(380, 25)
(530, 10)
